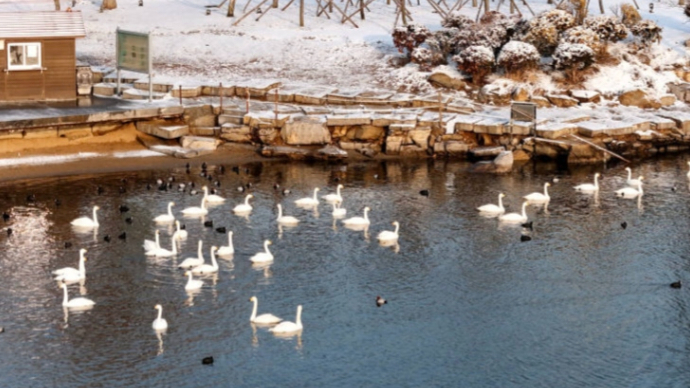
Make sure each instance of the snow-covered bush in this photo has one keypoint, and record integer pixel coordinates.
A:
(409, 37)
(572, 56)
(630, 15)
(647, 31)
(609, 28)
(543, 30)
(582, 35)
(477, 61)
(497, 19)
(426, 59)
(444, 40)
(516, 57)
(478, 35)
(457, 20)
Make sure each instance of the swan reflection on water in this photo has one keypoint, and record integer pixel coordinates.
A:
(159, 335)
(392, 244)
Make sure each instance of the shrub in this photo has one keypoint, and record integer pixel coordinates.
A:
(561, 20)
(444, 40)
(542, 31)
(426, 59)
(609, 28)
(477, 61)
(517, 57)
(409, 37)
(647, 31)
(572, 56)
(582, 35)
(457, 20)
(630, 15)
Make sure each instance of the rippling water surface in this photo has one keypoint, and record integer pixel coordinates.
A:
(584, 303)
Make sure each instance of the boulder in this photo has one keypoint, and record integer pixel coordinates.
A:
(667, 100)
(293, 153)
(200, 116)
(586, 96)
(305, 131)
(638, 98)
(236, 133)
(447, 80)
(199, 143)
(520, 94)
(331, 152)
(541, 102)
(561, 100)
(492, 94)
(267, 135)
(365, 133)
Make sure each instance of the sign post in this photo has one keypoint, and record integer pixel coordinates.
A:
(133, 51)
(523, 111)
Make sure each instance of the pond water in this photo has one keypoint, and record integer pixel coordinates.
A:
(586, 302)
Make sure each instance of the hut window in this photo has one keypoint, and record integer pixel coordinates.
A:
(24, 56)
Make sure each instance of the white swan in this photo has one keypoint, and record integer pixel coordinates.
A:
(191, 262)
(539, 197)
(338, 211)
(358, 221)
(212, 198)
(285, 220)
(150, 247)
(159, 324)
(244, 207)
(631, 182)
(588, 187)
(629, 192)
(334, 197)
(86, 222)
(181, 233)
(227, 250)
(75, 303)
(308, 201)
(263, 319)
(168, 217)
(387, 235)
(263, 257)
(72, 275)
(207, 268)
(162, 252)
(515, 217)
(192, 284)
(494, 209)
(196, 210)
(287, 327)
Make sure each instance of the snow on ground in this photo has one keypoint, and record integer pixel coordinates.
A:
(191, 47)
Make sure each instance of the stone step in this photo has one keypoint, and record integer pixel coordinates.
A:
(186, 91)
(162, 130)
(104, 89)
(143, 84)
(485, 152)
(201, 143)
(204, 131)
(136, 94)
(232, 119)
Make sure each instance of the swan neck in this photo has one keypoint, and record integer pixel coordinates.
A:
(214, 263)
(280, 211)
(365, 214)
(596, 181)
(500, 202)
(524, 205)
(397, 227)
(266, 248)
(230, 240)
(158, 241)
(246, 200)
(95, 217)
(254, 310)
(174, 246)
(546, 189)
(82, 267)
(199, 252)
(298, 318)
(64, 291)
(315, 191)
(629, 174)
(160, 313)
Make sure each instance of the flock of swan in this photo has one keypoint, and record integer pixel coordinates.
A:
(197, 266)
(633, 190)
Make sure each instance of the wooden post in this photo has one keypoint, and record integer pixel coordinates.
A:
(275, 4)
(275, 105)
(220, 93)
(474, 3)
(486, 6)
(247, 100)
(231, 9)
(301, 13)
(512, 7)
(402, 11)
(440, 110)
(361, 9)
(179, 90)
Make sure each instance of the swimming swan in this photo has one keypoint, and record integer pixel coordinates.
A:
(168, 217)
(494, 209)
(212, 198)
(515, 217)
(588, 187)
(334, 197)
(287, 327)
(72, 275)
(207, 268)
(285, 220)
(162, 252)
(227, 250)
(263, 319)
(86, 222)
(629, 192)
(631, 182)
(75, 303)
(354, 221)
(159, 324)
(150, 247)
(244, 207)
(196, 210)
(192, 284)
(191, 262)
(181, 233)
(308, 201)
(337, 210)
(263, 257)
(387, 235)
(539, 197)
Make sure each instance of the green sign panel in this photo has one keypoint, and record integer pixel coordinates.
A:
(133, 51)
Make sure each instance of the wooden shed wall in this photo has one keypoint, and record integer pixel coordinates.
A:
(56, 82)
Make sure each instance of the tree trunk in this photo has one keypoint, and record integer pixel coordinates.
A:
(57, 4)
(109, 4)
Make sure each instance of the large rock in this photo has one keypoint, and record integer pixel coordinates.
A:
(305, 131)
(366, 133)
(520, 94)
(199, 143)
(586, 96)
(638, 98)
(447, 80)
(200, 116)
(331, 152)
(236, 133)
(493, 94)
(561, 100)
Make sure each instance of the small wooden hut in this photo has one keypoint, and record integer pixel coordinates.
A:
(38, 55)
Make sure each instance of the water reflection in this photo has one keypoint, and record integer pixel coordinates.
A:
(159, 335)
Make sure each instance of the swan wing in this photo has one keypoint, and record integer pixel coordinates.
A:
(65, 271)
(267, 319)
